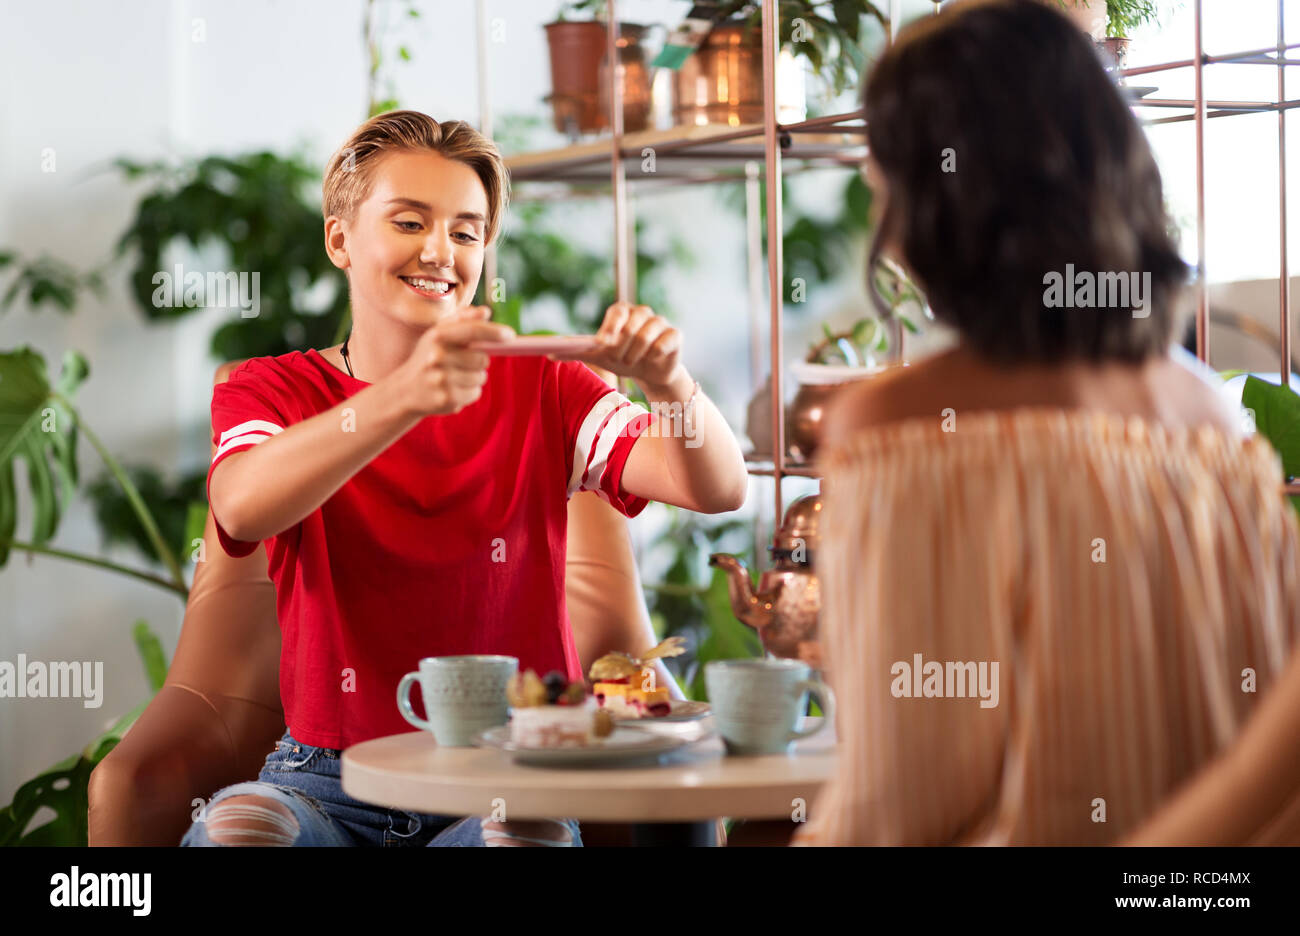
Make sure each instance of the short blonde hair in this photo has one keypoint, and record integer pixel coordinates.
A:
(350, 171)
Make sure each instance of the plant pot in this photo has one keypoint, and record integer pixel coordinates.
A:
(576, 52)
(722, 81)
(1115, 52)
(805, 417)
(580, 77)
(636, 79)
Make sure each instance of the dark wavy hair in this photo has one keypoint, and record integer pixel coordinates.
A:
(1051, 169)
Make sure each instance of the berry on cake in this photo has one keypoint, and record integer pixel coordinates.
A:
(624, 685)
(554, 712)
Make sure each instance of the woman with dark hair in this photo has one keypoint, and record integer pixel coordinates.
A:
(1055, 576)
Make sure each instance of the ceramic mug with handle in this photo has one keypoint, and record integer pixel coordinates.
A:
(758, 705)
(463, 696)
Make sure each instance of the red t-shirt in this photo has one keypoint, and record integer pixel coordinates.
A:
(450, 541)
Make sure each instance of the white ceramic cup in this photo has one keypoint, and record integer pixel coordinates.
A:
(463, 696)
(758, 705)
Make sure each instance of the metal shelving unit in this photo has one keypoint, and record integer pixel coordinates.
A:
(697, 155)
(1198, 110)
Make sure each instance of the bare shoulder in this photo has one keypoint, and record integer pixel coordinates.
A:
(900, 393)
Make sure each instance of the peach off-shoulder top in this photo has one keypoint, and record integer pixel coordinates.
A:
(1133, 583)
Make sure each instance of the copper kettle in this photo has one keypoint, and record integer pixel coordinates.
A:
(786, 604)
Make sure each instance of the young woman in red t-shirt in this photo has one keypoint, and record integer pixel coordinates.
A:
(392, 475)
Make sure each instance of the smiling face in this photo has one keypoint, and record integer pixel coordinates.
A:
(414, 250)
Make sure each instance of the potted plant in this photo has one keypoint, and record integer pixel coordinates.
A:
(579, 72)
(842, 357)
(1111, 23)
(1122, 17)
(722, 81)
(837, 358)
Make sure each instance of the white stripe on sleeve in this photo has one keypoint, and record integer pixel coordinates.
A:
(253, 437)
(605, 444)
(587, 435)
(252, 425)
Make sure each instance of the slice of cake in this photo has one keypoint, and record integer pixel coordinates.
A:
(626, 699)
(625, 685)
(554, 713)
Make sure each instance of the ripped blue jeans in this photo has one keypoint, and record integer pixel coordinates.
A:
(306, 780)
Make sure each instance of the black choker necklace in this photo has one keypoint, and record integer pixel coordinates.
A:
(344, 352)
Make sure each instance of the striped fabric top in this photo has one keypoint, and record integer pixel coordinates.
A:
(1039, 624)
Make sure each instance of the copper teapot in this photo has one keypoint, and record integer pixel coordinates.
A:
(785, 607)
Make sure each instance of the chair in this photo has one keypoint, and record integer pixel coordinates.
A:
(218, 714)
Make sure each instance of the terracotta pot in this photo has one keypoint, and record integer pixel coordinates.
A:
(1115, 51)
(576, 53)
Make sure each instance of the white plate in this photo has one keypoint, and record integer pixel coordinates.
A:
(625, 744)
(679, 710)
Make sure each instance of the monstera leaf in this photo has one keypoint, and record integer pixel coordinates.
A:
(37, 426)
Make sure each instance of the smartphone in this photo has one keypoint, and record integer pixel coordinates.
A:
(538, 344)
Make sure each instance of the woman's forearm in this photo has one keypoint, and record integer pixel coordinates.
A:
(700, 451)
(270, 487)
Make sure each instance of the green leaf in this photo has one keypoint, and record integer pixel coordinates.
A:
(63, 789)
(508, 312)
(1277, 418)
(727, 637)
(404, 53)
(151, 654)
(47, 281)
(196, 519)
(848, 16)
(37, 428)
(178, 509)
(864, 331)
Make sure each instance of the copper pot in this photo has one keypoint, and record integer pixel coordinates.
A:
(580, 77)
(722, 81)
(805, 418)
(636, 79)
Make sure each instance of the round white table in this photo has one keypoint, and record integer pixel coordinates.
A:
(673, 801)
